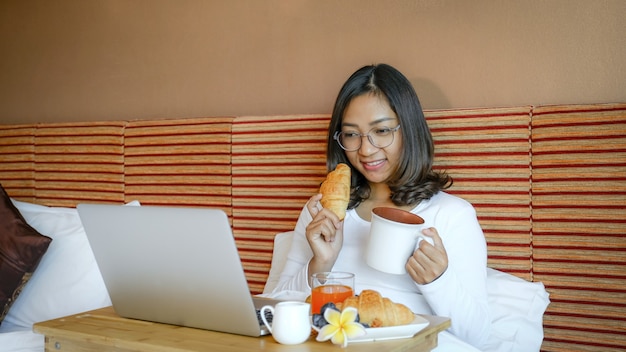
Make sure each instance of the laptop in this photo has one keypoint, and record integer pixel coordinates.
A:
(173, 265)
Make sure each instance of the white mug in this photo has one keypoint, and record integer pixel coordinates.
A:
(394, 235)
(291, 323)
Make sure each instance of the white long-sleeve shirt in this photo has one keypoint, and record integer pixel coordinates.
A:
(459, 293)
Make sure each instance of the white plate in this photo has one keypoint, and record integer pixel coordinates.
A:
(393, 332)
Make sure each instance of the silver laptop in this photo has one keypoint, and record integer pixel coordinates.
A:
(172, 265)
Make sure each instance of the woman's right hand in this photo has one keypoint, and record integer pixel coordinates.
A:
(324, 236)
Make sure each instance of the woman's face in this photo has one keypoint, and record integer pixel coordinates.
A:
(363, 114)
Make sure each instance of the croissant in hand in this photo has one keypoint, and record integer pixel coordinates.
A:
(377, 311)
(335, 190)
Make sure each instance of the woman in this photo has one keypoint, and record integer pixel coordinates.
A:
(378, 129)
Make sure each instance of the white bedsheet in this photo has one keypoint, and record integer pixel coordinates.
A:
(19, 339)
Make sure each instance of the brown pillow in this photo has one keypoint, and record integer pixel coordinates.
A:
(21, 249)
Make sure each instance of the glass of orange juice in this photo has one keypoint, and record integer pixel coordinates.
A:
(334, 286)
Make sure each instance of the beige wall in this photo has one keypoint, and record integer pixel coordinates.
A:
(73, 60)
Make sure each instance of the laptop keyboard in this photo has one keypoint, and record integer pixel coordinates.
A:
(268, 316)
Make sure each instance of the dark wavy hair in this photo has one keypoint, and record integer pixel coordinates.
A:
(414, 180)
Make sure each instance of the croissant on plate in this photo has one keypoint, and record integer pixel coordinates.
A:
(335, 190)
(378, 311)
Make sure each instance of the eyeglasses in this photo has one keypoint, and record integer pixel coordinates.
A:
(379, 137)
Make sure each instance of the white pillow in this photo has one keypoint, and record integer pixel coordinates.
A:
(517, 307)
(282, 242)
(67, 280)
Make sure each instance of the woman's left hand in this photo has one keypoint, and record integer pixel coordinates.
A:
(428, 261)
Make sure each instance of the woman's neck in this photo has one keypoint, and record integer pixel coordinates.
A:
(380, 196)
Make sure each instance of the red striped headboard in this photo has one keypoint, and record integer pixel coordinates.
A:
(183, 162)
(579, 224)
(79, 162)
(278, 163)
(17, 161)
(487, 152)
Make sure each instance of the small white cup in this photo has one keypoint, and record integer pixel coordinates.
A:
(291, 324)
(394, 235)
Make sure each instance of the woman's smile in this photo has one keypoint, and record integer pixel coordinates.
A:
(373, 165)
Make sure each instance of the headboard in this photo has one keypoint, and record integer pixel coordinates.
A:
(548, 184)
